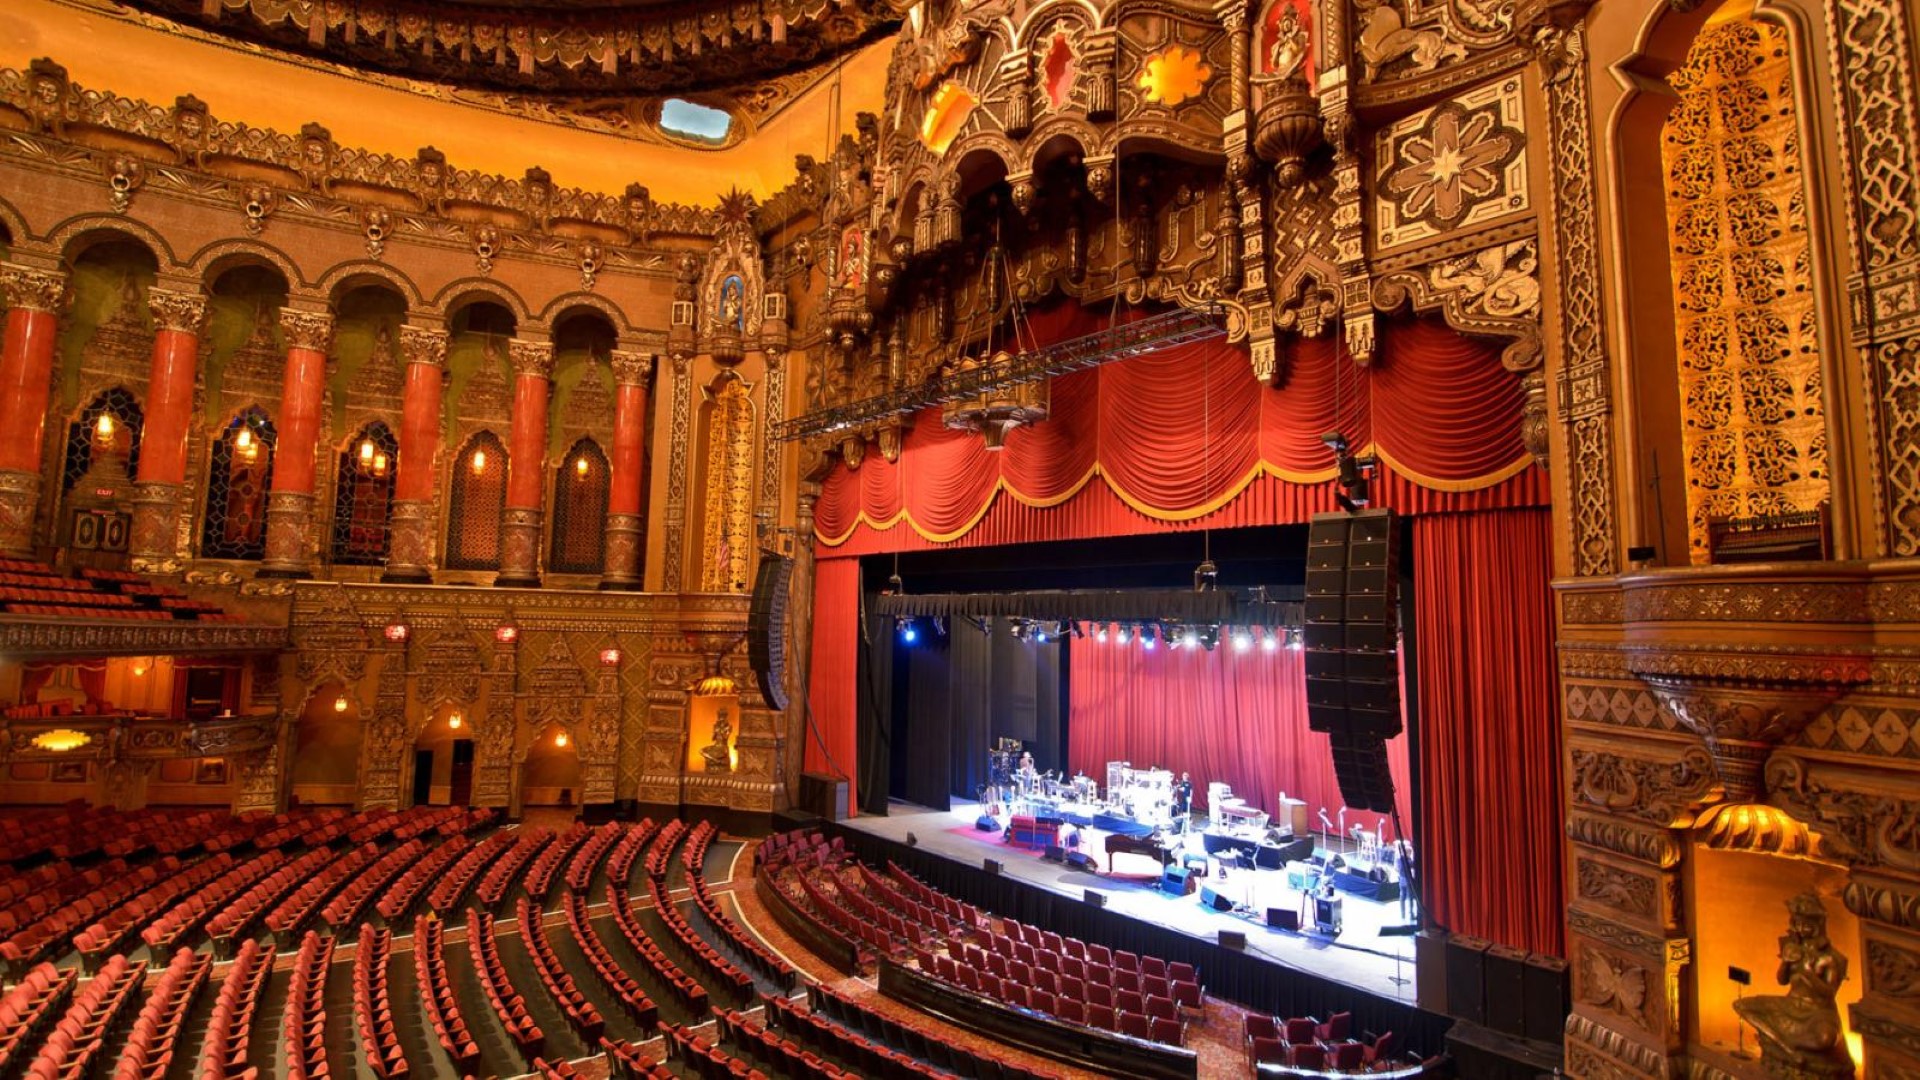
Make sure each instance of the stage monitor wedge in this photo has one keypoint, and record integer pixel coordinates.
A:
(767, 628)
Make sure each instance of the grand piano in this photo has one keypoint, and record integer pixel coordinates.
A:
(1151, 845)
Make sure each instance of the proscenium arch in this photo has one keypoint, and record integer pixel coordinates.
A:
(458, 294)
(222, 255)
(74, 236)
(343, 277)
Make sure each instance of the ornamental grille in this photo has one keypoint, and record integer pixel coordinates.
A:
(239, 473)
(84, 438)
(363, 497)
(581, 487)
(479, 494)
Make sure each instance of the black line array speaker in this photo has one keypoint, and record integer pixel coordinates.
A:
(767, 628)
(1352, 648)
(1360, 765)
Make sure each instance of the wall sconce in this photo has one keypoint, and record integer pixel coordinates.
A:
(245, 445)
(139, 668)
(479, 461)
(340, 703)
(396, 631)
(103, 429)
(580, 466)
(454, 721)
(560, 738)
(366, 453)
(506, 633)
(379, 464)
(609, 657)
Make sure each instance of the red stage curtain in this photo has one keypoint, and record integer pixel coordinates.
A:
(1235, 717)
(833, 689)
(1489, 742)
(1187, 436)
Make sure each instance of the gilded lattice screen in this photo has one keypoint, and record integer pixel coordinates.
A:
(729, 518)
(1754, 424)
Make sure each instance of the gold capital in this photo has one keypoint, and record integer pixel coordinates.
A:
(424, 345)
(632, 368)
(306, 329)
(531, 357)
(182, 311)
(32, 290)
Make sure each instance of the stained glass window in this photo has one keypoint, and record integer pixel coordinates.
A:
(581, 487)
(363, 497)
(478, 494)
(110, 425)
(239, 472)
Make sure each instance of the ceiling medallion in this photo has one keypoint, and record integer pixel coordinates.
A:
(61, 740)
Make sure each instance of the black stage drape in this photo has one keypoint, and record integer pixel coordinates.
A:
(879, 751)
(1237, 976)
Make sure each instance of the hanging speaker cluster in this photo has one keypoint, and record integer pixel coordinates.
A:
(1352, 649)
(767, 628)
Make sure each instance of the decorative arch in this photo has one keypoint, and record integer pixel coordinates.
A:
(325, 766)
(582, 486)
(239, 474)
(217, 258)
(980, 150)
(1046, 17)
(363, 496)
(85, 438)
(476, 499)
(340, 277)
(72, 237)
(11, 220)
(566, 304)
(458, 294)
(1051, 139)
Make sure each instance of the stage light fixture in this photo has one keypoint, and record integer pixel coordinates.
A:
(1191, 638)
(907, 632)
(1242, 641)
(1296, 639)
(1124, 633)
(939, 626)
(1270, 642)
(1072, 627)
(1100, 634)
(1039, 633)
(1146, 638)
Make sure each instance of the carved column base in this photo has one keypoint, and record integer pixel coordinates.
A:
(519, 548)
(409, 554)
(154, 541)
(19, 498)
(289, 525)
(623, 553)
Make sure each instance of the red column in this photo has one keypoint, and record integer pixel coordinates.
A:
(526, 469)
(290, 502)
(26, 378)
(410, 558)
(159, 486)
(631, 371)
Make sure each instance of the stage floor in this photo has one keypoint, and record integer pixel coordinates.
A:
(1360, 957)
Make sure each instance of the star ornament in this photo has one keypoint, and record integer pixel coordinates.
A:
(1450, 166)
(1174, 75)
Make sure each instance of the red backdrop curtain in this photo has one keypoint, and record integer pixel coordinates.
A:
(832, 691)
(1489, 740)
(1237, 717)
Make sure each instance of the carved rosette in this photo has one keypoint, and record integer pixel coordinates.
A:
(303, 329)
(289, 534)
(154, 538)
(519, 547)
(19, 495)
(178, 312)
(28, 289)
(623, 552)
(409, 557)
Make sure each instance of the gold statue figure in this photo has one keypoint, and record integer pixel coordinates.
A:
(1800, 1030)
(718, 753)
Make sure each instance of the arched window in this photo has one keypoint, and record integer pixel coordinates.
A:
(479, 494)
(109, 427)
(239, 471)
(363, 497)
(581, 486)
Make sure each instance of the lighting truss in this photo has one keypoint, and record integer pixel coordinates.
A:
(1179, 326)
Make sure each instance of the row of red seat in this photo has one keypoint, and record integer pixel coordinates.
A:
(790, 882)
(540, 873)
(709, 959)
(686, 989)
(789, 1058)
(114, 927)
(620, 860)
(373, 1005)
(1154, 1019)
(313, 828)
(436, 992)
(193, 908)
(898, 931)
(705, 1059)
(835, 1015)
(612, 976)
(238, 919)
(660, 851)
(53, 930)
(1102, 978)
(223, 1051)
(306, 1019)
(759, 956)
(77, 830)
(148, 1051)
(447, 893)
(28, 1008)
(835, 916)
(891, 898)
(298, 907)
(586, 858)
(783, 849)
(76, 1039)
(67, 883)
(508, 1003)
(629, 1063)
(969, 917)
(342, 913)
(580, 1012)
(499, 878)
(405, 891)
